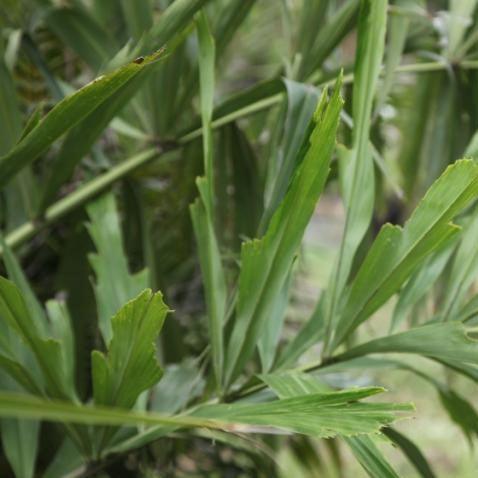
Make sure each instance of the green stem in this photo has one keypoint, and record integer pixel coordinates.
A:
(85, 192)
(79, 197)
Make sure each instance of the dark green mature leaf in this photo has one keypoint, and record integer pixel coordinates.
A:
(66, 114)
(411, 451)
(266, 262)
(79, 140)
(369, 456)
(114, 283)
(357, 177)
(82, 33)
(173, 19)
(317, 414)
(397, 252)
(130, 365)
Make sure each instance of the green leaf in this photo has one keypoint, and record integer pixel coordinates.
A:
(173, 20)
(460, 18)
(463, 271)
(207, 53)
(301, 102)
(47, 351)
(440, 341)
(319, 415)
(16, 274)
(80, 139)
(266, 262)
(29, 407)
(66, 114)
(180, 383)
(357, 176)
(130, 365)
(370, 457)
(292, 384)
(203, 209)
(213, 277)
(138, 16)
(411, 451)
(114, 283)
(397, 34)
(329, 37)
(396, 252)
(82, 33)
(20, 445)
(421, 281)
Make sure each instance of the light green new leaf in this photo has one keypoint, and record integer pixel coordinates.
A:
(114, 283)
(66, 114)
(318, 414)
(322, 415)
(293, 384)
(357, 175)
(440, 341)
(265, 263)
(130, 365)
(397, 251)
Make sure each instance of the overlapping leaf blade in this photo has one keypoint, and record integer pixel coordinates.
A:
(130, 365)
(66, 114)
(396, 252)
(266, 262)
(114, 283)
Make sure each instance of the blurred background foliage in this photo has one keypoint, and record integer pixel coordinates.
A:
(272, 58)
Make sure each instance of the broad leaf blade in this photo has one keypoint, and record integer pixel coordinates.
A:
(130, 365)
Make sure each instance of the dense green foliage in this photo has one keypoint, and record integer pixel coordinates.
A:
(159, 168)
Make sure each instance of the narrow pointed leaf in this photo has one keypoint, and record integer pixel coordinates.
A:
(114, 284)
(266, 262)
(66, 114)
(397, 252)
